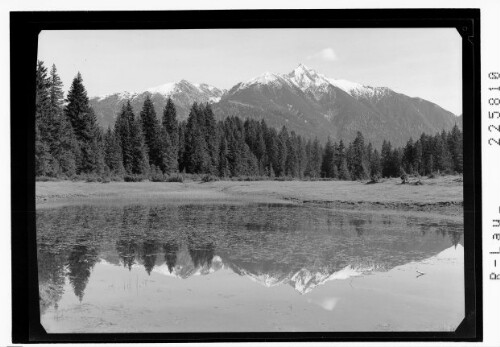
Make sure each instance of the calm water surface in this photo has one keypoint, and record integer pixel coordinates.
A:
(246, 268)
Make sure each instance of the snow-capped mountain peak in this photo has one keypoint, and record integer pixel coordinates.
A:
(305, 78)
(358, 90)
(309, 81)
(164, 89)
(266, 78)
(169, 88)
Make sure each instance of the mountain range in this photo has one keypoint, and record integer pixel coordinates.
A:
(301, 277)
(304, 100)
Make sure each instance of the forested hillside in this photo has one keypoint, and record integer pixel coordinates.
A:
(307, 102)
(70, 144)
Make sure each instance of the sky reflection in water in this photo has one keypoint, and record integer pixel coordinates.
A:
(246, 255)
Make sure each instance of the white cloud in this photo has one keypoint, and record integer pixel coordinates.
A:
(327, 54)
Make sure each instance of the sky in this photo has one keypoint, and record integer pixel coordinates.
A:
(425, 63)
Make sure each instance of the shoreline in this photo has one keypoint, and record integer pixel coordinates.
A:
(439, 197)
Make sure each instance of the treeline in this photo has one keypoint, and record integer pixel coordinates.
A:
(70, 144)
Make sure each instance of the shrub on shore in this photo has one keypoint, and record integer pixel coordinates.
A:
(174, 178)
(209, 178)
(134, 178)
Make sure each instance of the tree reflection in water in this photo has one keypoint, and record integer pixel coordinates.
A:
(282, 243)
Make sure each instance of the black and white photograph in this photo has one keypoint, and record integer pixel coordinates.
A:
(250, 180)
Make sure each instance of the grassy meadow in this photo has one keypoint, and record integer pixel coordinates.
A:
(442, 195)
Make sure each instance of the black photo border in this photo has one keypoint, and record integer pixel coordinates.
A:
(24, 30)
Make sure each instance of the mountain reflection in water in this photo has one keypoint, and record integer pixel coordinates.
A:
(271, 244)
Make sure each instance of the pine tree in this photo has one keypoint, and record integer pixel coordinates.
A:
(168, 152)
(442, 154)
(271, 140)
(328, 162)
(56, 147)
(64, 145)
(427, 154)
(56, 92)
(211, 139)
(181, 154)
(386, 158)
(45, 163)
(151, 131)
(86, 130)
(172, 129)
(315, 161)
(282, 152)
(368, 156)
(455, 144)
(409, 157)
(239, 154)
(140, 161)
(359, 162)
(197, 157)
(113, 156)
(254, 138)
(343, 169)
(123, 132)
(418, 160)
(224, 170)
(396, 168)
(264, 162)
(77, 109)
(344, 173)
(375, 166)
(302, 157)
(292, 157)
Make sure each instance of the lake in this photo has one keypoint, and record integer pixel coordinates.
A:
(256, 267)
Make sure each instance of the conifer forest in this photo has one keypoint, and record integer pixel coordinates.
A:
(70, 144)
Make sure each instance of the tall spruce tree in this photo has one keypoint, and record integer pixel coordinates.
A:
(197, 156)
(315, 161)
(224, 170)
(77, 109)
(123, 132)
(168, 152)
(282, 142)
(344, 173)
(64, 145)
(343, 168)
(292, 156)
(211, 139)
(139, 155)
(408, 159)
(442, 156)
(375, 166)
(302, 156)
(359, 163)
(86, 130)
(181, 154)
(171, 128)
(386, 158)
(45, 163)
(152, 135)
(113, 156)
(328, 162)
(396, 160)
(271, 140)
(455, 144)
(417, 160)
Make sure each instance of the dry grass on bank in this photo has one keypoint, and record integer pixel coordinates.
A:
(433, 195)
